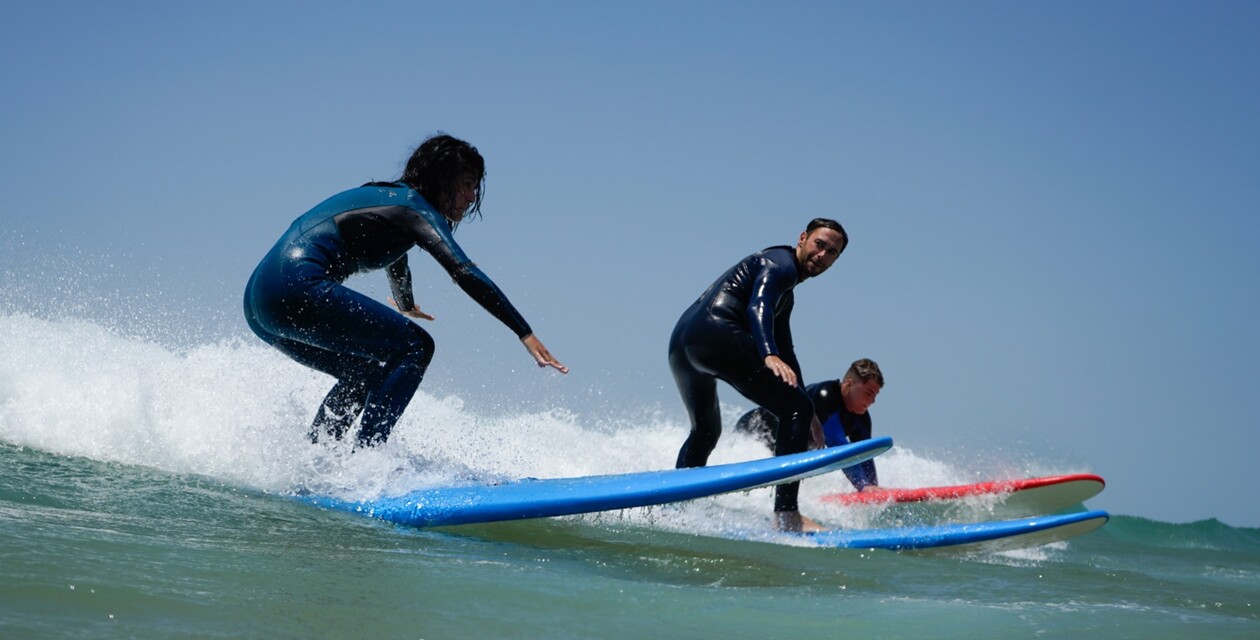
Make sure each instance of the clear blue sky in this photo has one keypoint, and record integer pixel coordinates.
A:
(1052, 205)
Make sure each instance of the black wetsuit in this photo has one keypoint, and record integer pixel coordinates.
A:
(726, 334)
(840, 426)
(295, 301)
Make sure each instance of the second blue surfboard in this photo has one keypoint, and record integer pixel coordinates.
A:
(973, 537)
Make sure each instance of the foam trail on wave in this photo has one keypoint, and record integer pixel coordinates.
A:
(239, 411)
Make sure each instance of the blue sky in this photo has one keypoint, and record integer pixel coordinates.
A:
(1052, 205)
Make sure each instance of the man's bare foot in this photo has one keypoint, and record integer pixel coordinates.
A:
(794, 522)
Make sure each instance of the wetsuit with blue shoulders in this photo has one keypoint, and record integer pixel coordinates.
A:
(296, 302)
(840, 426)
(726, 334)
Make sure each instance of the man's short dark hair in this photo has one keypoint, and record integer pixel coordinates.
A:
(865, 370)
(829, 224)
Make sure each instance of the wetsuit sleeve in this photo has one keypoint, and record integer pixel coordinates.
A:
(862, 475)
(774, 280)
(439, 243)
(480, 288)
(858, 428)
(400, 284)
(783, 337)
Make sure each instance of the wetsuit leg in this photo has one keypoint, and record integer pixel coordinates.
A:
(340, 408)
(386, 402)
(364, 344)
(355, 378)
(794, 413)
(699, 394)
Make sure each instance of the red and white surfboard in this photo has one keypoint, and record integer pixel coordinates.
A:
(1033, 495)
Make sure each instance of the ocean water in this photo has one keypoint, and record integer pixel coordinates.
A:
(144, 494)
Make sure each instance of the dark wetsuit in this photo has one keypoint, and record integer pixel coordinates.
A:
(726, 334)
(295, 301)
(840, 426)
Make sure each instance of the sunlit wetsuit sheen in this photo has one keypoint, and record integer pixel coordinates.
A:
(295, 301)
(726, 334)
(840, 426)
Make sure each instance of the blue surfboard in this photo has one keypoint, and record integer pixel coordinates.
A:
(531, 498)
(966, 538)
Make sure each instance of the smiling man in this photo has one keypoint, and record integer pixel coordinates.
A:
(739, 331)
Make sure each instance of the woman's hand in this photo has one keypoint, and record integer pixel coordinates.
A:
(540, 353)
(413, 312)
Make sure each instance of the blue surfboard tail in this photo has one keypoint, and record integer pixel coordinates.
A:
(978, 537)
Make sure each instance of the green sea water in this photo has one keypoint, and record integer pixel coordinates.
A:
(91, 549)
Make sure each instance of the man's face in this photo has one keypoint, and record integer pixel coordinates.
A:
(859, 396)
(817, 250)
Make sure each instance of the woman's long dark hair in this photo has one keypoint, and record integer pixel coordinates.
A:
(438, 165)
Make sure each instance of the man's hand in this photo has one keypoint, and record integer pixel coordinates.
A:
(780, 369)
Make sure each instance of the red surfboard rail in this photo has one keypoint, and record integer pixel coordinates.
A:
(1078, 486)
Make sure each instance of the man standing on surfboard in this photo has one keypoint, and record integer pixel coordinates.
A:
(739, 331)
(296, 300)
(842, 407)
